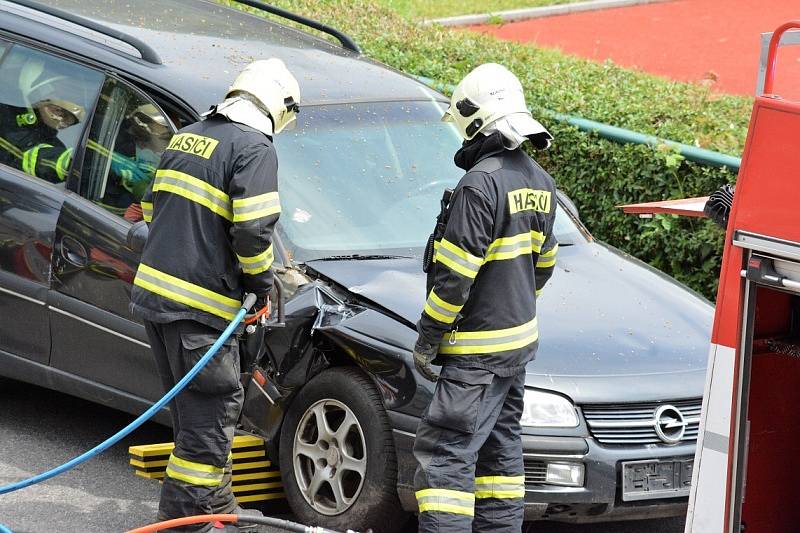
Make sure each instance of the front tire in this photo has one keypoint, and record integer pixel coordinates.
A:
(337, 455)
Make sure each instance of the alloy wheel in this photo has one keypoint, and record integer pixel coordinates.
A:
(329, 457)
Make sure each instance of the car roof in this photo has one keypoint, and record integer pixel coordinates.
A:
(204, 45)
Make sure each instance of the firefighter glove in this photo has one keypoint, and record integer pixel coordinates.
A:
(424, 354)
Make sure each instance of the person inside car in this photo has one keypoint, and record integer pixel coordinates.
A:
(46, 102)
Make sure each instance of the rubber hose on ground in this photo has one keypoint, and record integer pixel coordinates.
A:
(230, 518)
(249, 301)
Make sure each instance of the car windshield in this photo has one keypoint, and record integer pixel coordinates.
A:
(366, 179)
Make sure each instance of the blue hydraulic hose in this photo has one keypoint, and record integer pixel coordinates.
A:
(248, 303)
(4, 529)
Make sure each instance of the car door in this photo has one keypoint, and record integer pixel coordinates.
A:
(44, 100)
(95, 336)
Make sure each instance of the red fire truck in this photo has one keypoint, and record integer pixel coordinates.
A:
(748, 449)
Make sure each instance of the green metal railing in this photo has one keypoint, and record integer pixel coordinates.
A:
(622, 135)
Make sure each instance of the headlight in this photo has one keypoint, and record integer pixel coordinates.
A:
(543, 409)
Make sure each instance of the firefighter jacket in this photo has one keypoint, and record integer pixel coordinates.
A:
(30, 145)
(211, 209)
(495, 256)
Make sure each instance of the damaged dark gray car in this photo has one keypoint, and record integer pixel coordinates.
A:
(613, 399)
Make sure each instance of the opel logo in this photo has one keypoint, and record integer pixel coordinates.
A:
(670, 424)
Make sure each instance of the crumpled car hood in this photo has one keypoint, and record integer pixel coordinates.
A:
(602, 315)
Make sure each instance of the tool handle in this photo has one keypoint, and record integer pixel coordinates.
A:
(769, 75)
(249, 301)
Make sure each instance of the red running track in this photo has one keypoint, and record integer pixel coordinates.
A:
(686, 40)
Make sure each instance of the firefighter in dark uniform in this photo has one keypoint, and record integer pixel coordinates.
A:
(493, 255)
(211, 210)
(29, 137)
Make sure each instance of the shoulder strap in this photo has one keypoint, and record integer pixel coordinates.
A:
(488, 165)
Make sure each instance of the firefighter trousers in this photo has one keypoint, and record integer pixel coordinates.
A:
(204, 415)
(468, 448)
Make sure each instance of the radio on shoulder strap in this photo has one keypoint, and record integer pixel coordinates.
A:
(438, 232)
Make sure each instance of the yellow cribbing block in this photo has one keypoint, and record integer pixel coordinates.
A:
(254, 479)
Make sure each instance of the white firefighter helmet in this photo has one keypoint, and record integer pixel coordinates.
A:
(273, 87)
(487, 94)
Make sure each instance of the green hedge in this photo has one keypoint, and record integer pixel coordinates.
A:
(597, 174)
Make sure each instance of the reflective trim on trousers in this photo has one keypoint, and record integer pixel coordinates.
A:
(194, 473)
(254, 207)
(501, 487)
(257, 263)
(186, 293)
(441, 310)
(195, 190)
(446, 501)
(489, 341)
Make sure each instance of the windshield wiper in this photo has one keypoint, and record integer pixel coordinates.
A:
(359, 257)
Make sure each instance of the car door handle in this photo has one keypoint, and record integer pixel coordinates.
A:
(74, 252)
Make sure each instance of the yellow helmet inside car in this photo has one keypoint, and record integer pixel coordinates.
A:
(59, 114)
(274, 88)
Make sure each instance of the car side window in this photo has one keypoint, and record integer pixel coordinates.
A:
(44, 102)
(127, 136)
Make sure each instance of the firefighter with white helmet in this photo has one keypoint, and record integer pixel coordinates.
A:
(492, 252)
(212, 209)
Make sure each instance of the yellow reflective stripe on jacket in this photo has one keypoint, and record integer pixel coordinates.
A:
(548, 258)
(147, 211)
(504, 487)
(539, 292)
(62, 164)
(254, 207)
(193, 189)
(489, 341)
(457, 259)
(194, 473)
(446, 501)
(30, 157)
(257, 263)
(440, 310)
(511, 247)
(11, 148)
(186, 293)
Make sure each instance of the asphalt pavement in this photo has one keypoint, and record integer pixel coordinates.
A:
(40, 429)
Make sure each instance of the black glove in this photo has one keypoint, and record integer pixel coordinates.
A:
(262, 300)
(719, 203)
(260, 311)
(424, 353)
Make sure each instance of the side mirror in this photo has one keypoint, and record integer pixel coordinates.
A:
(137, 236)
(568, 204)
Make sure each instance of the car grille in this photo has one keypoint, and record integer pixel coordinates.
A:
(535, 472)
(635, 423)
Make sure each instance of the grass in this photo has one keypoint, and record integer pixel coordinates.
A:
(428, 9)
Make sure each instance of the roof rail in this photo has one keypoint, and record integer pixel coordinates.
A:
(346, 41)
(145, 50)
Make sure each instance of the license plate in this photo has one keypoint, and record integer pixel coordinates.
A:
(662, 478)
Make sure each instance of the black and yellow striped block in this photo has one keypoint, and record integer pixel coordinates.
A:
(254, 477)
